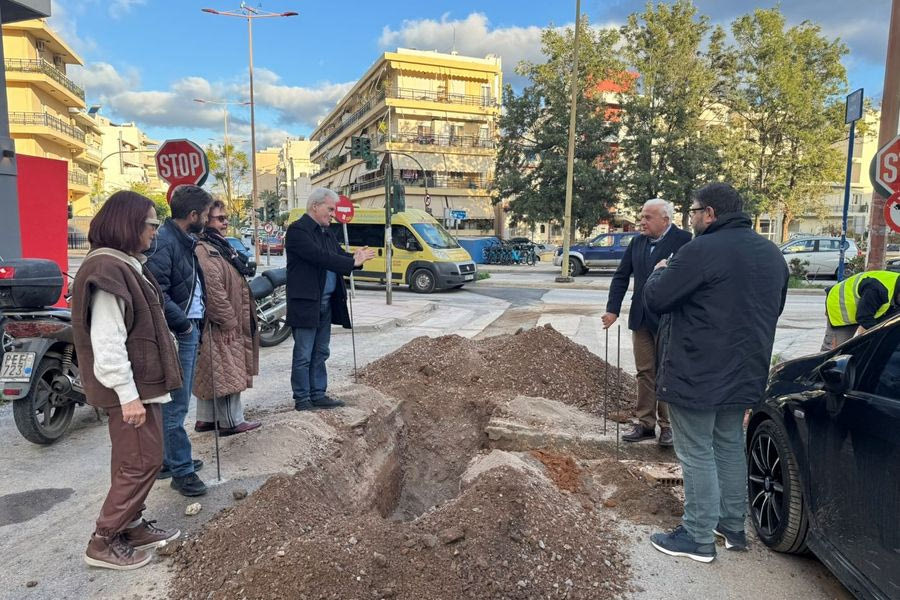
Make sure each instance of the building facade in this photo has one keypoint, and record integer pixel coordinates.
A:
(440, 111)
(128, 158)
(46, 108)
(295, 172)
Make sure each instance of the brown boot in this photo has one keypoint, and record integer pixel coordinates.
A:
(146, 535)
(113, 552)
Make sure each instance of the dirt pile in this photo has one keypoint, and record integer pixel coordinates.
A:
(538, 362)
(508, 535)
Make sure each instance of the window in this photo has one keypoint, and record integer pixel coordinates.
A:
(625, 240)
(888, 382)
(402, 236)
(435, 235)
(829, 245)
(801, 246)
(361, 235)
(602, 241)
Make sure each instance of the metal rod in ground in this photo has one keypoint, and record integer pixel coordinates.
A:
(212, 380)
(619, 382)
(606, 382)
(353, 339)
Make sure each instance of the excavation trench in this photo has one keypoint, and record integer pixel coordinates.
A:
(401, 496)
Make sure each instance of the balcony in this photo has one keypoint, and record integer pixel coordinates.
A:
(29, 65)
(58, 129)
(471, 182)
(79, 178)
(353, 118)
(442, 97)
(428, 139)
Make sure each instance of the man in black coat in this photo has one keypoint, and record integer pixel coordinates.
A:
(720, 298)
(660, 239)
(173, 263)
(317, 297)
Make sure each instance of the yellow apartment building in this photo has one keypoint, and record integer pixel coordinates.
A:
(46, 108)
(295, 170)
(442, 111)
(128, 157)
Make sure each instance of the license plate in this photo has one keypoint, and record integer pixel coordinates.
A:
(17, 367)
(468, 278)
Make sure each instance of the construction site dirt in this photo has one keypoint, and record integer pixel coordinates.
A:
(403, 495)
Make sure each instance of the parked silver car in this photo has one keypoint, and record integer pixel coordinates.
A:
(822, 253)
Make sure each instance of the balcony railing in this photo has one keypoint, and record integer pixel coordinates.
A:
(356, 116)
(434, 181)
(39, 65)
(46, 120)
(443, 97)
(428, 139)
(78, 177)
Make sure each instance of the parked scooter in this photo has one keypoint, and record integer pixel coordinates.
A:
(270, 293)
(39, 370)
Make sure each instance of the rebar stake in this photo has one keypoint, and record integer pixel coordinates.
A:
(619, 380)
(606, 383)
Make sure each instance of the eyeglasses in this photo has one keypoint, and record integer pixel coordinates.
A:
(154, 223)
(219, 218)
(698, 208)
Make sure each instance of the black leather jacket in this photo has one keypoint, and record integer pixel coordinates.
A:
(172, 261)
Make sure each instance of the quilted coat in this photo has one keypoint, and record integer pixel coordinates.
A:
(229, 350)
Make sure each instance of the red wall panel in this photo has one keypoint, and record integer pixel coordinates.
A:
(43, 211)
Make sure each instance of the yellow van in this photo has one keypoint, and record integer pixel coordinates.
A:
(425, 256)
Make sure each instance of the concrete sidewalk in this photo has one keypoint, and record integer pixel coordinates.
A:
(370, 313)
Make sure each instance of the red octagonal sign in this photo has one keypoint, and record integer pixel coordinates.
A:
(181, 162)
(887, 165)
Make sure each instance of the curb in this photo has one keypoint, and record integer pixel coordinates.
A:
(390, 323)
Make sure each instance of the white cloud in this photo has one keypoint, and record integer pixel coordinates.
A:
(296, 104)
(102, 80)
(119, 8)
(471, 36)
(63, 17)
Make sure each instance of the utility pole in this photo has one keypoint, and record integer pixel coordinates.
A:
(388, 184)
(890, 105)
(564, 276)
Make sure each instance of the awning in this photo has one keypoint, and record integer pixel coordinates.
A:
(430, 162)
(476, 207)
(464, 163)
(482, 75)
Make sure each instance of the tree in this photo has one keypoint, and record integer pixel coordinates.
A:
(787, 108)
(531, 161)
(232, 178)
(670, 103)
(159, 200)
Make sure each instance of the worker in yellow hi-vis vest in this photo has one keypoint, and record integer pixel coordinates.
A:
(859, 303)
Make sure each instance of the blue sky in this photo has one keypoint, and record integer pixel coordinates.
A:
(145, 60)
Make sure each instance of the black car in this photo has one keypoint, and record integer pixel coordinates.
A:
(824, 461)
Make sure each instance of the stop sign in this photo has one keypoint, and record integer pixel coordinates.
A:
(887, 166)
(343, 210)
(181, 162)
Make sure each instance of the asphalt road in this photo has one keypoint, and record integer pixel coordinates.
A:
(49, 496)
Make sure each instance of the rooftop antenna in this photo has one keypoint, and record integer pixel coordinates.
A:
(453, 51)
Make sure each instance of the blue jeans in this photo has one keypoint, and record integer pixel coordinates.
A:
(309, 378)
(177, 455)
(710, 447)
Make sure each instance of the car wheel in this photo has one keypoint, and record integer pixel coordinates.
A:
(777, 508)
(576, 268)
(422, 281)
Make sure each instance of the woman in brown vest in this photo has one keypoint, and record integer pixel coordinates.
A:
(128, 364)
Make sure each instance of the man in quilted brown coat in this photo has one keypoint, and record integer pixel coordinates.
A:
(229, 351)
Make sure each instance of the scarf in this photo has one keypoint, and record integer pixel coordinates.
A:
(237, 260)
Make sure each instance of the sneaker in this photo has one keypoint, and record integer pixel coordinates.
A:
(240, 428)
(303, 405)
(638, 433)
(680, 543)
(665, 437)
(734, 540)
(147, 535)
(165, 473)
(189, 485)
(113, 552)
(326, 402)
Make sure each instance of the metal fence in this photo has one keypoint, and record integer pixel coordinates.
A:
(39, 65)
(46, 120)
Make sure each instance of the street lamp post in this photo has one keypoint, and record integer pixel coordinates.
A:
(250, 13)
(224, 104)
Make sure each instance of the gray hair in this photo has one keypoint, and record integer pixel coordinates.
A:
(667, 207)
(318, 196)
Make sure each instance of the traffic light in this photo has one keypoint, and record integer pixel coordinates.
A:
(70, 211)
(398, 198)
(372, 162)
(360, 147)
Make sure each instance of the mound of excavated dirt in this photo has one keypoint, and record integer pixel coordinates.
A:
(538, 362)
(508, 535)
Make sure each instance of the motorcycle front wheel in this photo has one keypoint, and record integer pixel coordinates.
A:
(272, 333)
(43, 416)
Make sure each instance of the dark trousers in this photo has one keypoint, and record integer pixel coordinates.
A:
(137, 454)
(309, 377)
(649, 412)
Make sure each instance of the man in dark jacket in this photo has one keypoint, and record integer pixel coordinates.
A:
(317, 297)
(172, 261)
(720, 298)
(659, 239)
